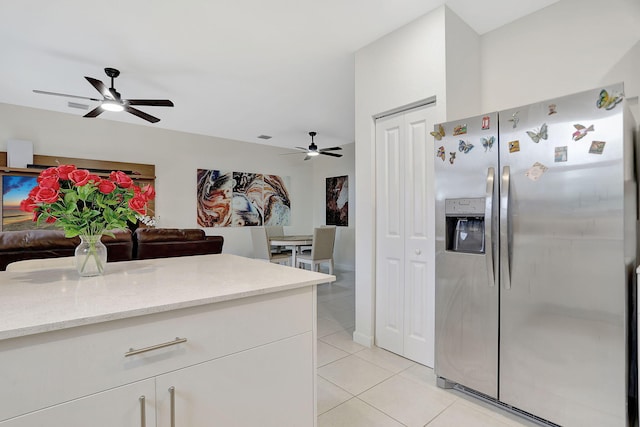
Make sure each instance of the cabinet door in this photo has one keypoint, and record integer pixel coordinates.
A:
(270, 385)
(121, 406)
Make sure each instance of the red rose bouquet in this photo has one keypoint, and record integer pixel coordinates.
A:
(83, 204)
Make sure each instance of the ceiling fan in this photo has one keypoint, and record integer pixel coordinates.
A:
(313, 150)
(112, 101)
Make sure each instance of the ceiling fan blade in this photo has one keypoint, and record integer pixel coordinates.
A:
(43, 92)
(151, 102)
(303, 149)
(331, 154)
(95, 112)
(330, 149)
(308, 157)
(141, 114)
(100, 87)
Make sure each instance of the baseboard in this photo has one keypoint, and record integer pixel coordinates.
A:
(362, 339)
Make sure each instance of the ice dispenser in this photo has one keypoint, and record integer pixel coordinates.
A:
(465, 225)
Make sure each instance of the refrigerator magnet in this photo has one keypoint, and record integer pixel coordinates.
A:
(552, 109)
(465, 147)
(597, 147)
(514, 146)
(608, 102)
(535, 172)
(486, 122)
(561, 154)
(487, 143)
(537, 134)
(515, 119)
(580, 132)
(438, 134)
(441, 153)
(452, 157)
(460, 130)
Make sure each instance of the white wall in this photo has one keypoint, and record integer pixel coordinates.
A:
(177, 156)
(568, 47)
(325, 167)
(402, 68)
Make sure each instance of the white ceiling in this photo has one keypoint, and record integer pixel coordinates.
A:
(234, 69)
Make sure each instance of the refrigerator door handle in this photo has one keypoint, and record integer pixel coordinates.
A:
(488, 225)
(504, 228)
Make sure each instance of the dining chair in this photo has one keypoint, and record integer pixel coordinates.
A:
(42, 264)
(275, 231)
(262, 249)
(321, 249)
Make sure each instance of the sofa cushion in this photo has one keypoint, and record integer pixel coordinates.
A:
(37, 244)
(149, 235)
(172, 242)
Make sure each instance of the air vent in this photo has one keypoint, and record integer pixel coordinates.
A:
(77, 105)
(264, 137)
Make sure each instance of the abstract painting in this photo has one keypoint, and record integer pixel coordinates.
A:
(214, 196)
(277, 206)
(338, 201)
(240, 199)
(247, 199)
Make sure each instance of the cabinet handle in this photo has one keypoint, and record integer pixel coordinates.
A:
(143, 415)
(172, 398)
(133, 352)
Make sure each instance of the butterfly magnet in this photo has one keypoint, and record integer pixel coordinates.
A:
(465, 147)
(608, 102)
(438, 134)
(487, 143)
(515, 119)
(538, 134)
(441, 153)
(452, 157)
(581, 132)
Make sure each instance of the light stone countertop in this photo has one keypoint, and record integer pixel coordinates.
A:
(51, 299)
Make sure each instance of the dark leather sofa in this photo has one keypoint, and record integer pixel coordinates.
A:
(38, 244)
(145, 243)
(171, 242)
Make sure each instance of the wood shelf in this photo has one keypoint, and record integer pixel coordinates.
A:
(137, 171)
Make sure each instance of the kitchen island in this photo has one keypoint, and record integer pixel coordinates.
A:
(188, 341)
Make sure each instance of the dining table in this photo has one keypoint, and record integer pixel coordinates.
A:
(295, 242)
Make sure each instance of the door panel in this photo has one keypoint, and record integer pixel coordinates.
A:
(563, 318)
(390, 235)
(466, 298)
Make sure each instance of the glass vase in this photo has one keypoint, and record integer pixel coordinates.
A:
(91, 256)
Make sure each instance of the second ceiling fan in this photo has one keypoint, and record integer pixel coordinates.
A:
(313, 150)
(112, 101)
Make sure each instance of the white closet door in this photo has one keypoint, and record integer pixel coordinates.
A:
(390, 258)
(404, 241)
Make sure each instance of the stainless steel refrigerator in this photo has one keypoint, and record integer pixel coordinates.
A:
(536, 211)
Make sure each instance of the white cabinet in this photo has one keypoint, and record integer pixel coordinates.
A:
(405, 245)
(130, 405)
(245, 362)
(257, 387)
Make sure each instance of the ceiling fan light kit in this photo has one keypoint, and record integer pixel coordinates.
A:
(313, 150)
(112, 100)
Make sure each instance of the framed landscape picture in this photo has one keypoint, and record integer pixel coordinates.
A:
(15, 188)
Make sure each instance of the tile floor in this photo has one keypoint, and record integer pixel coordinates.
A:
(371, 387)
